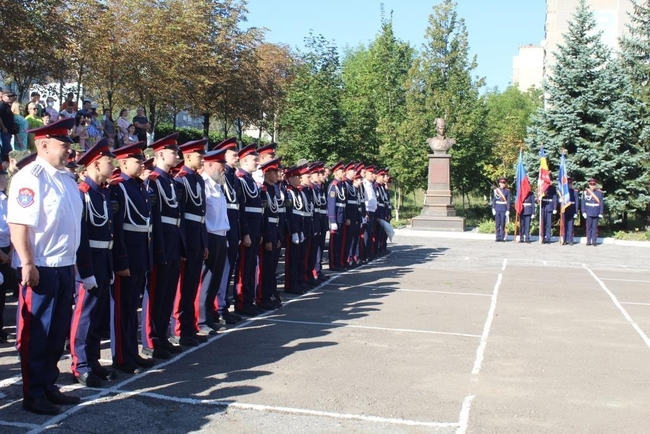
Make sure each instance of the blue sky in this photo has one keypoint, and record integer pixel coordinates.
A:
(496, 28)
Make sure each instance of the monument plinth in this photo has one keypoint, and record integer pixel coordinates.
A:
(438, 213)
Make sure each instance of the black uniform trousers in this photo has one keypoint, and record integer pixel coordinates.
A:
(311, 250)
(44, 314)
(335, 247)
(158, 303)
(211, 274)
(232, 255)
(292, 263)
(267, 282)
(184, 315)
(125, 300)
(368, 236)
(90, 311)
(9, 275)
(245, 279)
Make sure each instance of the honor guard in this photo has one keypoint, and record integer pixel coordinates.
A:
(132, 257)
(527, 213)
(264, 153)
(321, 222)
(167, 209)
(358, 246)
(194, 237)
(94, 265)
(295, 237)
(336, 203)
(570, 213)
(593, 208)
(310, 228)
(501, 209)
(43, 200)
(251, 231)
(232, 190)
(383, 212)
(548, 204)
(217, 226)
(371, 211)
(351, 214)
(269, 251)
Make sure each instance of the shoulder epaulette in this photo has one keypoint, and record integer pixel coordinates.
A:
(181, 174)
(263, 187)
(84, 187)
(240, 174)
(154, 176)
(115, 181)
(36, 169)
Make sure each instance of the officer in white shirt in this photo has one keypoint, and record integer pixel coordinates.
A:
(44, 214)
(217, 225)
(371, 209)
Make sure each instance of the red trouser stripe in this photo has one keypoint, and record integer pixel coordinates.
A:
(240, 276)
(119, 353)
(177, 300)
(76, 316)
(260, 264)
(148, 315)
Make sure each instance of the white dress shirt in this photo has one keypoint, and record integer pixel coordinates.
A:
(371, 196)
(47, 201)
(216, 216)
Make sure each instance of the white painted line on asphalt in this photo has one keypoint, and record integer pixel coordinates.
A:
(625, 280)
(621, 308)
(636, 304)
(463, 419)
(10, 381)
(347, 325)
(480, 351)
(290, 410)
(19, 424)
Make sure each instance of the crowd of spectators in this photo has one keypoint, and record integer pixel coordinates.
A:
(16, 119)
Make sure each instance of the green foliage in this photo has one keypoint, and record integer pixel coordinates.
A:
(508, 117)
(440, 85)
(312, 122)
(592, 112)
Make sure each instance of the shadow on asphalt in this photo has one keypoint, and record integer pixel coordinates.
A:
(232, 365)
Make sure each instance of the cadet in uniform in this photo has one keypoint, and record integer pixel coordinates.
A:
(295, 216)
(593, 208)
(501, 209)
(251, 231)
(217, 226)
(310, 225)
(336, 203)
(548, 202)
(132, 257)
(321, 222)
(383, 212)
(95, 267)
(267, 285)
(570, 213)
(194, 238)
(166, 214)
(351, 215)
(359, 254)
(527, 213)
(264, 153)
(43, 200)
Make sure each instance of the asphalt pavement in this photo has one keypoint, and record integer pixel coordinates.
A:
(444, 335)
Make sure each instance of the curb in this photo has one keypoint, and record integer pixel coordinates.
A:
(490, 237)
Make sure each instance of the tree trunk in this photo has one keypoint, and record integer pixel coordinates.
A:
(206, 125)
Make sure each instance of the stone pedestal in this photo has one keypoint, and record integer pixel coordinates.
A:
(438, 213)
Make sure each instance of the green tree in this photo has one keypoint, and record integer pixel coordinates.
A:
(440, 85)
(592, 112)
(312, 121)
(508, 117)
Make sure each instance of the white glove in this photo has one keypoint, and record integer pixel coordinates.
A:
(584, 215)
(2, 279)
(295, 238)
(302, 237)
(532, 216)
(89, 283)
(334, 227)
(575, 216)
(554, 211)
(507, 213)
(494, 211)
(112, 278)
(600, 216)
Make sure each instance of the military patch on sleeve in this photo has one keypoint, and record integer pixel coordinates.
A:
(25, 197)
(332, 193)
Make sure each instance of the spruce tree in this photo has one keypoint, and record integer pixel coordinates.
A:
(591, 112)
